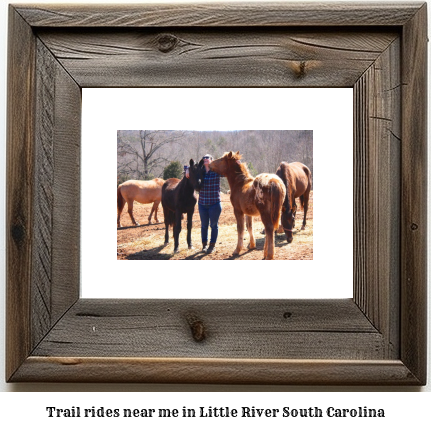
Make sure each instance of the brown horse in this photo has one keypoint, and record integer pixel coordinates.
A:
(144, 192)
(297, 179)
(263, 195)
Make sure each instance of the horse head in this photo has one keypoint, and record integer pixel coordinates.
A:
(196, 173)
(288, 221)
(226, 162)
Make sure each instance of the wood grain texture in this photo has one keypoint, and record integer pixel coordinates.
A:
(228, 58)
(220, 15)
(55, 278)
(44, 195)
(66, 189)
(215, 371)
(268, 329)
(19, 197)
(377, 192)
(414, 170)
(378, 337)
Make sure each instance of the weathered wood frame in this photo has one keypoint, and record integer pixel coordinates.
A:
(378, 337)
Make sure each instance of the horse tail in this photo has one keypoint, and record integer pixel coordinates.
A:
(307, 191)
(171, 217)
(168, 215)
(120, 200)
(277, 198)
(310, 181)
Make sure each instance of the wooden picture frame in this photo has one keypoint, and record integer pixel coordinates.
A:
(378, 337)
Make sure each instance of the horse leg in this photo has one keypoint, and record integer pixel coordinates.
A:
(249, 223)
(166, 226)
(130, 211)
(268, 250)
(120, 206)
(166, 233)
(156, 208)
(240, 228)
(189, 228)
(177, 230)
(151, 213)
(306, 198)
(269, 242)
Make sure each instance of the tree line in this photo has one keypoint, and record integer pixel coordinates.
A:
(147, 154)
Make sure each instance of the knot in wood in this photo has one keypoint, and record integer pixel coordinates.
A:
(197, 328)
(414, 226)
(18, 233)
(301, 69)
(167, 42)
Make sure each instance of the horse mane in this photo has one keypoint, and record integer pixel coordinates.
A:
(241, 170)
(286, 176)
(183, 183)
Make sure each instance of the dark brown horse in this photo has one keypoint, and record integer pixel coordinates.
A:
(263, 195)
(178, 198)
(297, 179)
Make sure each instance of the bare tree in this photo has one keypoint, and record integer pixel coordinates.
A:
(139, 152)
(143, 154)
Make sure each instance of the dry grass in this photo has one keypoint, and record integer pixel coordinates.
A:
(146, 242)
(150, 246)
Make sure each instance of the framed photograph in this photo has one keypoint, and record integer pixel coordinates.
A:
(147, 159)
(112, 119)
(375, 336)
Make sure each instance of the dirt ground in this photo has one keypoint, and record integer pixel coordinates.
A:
(146, 242)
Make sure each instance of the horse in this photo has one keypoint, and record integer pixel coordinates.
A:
(297, 179)
(262, 195)
(178, 198)
(144, 192)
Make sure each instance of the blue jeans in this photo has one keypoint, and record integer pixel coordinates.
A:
(209, 217)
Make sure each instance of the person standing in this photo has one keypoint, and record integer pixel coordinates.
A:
(209, 205)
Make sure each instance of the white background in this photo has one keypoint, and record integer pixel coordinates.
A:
(328, 275)
(22, 410)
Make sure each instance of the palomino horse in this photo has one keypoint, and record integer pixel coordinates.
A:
(263, 195)
(144, 192)
(178, 197)
(297, 179)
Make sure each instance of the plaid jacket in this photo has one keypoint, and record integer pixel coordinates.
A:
(210, 191)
